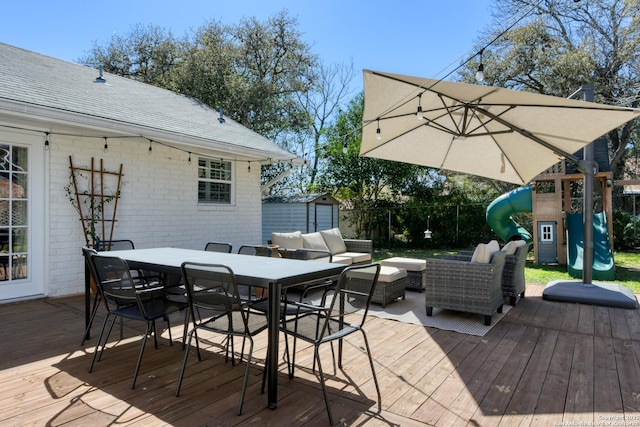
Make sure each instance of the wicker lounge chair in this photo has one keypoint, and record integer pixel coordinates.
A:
(513, 283)
(473, 287)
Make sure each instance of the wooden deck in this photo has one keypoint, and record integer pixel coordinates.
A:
(545, 364)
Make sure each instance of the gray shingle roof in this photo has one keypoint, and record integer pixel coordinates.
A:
(53, 89)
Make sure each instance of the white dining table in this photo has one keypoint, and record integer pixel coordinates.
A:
(274, 274)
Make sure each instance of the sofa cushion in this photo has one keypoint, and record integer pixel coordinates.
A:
(409, 264)
(494, 246)
(482, 253)
(356, 257)
(292, 240)
(511, 247)
(333, 239)
(314, 241)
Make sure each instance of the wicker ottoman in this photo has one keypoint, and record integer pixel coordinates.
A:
(416, 271)
(391, 284)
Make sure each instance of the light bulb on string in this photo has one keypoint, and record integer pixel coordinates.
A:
(106, 146)
(480, 72)
(419, 114)
(378, 133)
(150, 148)
(46, 141)
(189, 161)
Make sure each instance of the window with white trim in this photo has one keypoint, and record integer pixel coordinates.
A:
(215, 181)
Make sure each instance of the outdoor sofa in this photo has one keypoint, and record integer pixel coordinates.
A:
(345, 251)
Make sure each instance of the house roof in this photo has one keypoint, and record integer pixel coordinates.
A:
(58, 95)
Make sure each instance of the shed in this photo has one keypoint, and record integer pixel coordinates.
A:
(303, 212)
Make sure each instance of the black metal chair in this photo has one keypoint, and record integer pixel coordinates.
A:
(215, 305)
(113, 245)
(255, 250)
(129, 297)
(325, 323)
(218, 247)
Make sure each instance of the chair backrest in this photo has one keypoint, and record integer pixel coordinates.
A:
(88, 253)
(211, 287)
(352, 294)
(311, 254)
(218, 247)
(114, 280)
(113, 245)
(255, 250)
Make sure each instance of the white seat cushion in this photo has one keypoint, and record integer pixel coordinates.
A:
(339, 259)
(387, 274)
(409, 264)
(356, 257)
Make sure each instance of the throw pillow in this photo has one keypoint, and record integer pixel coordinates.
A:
(493, 246)
(291, 240)
(511, 247)
(333, 239)
(482, 253)
(314, 241)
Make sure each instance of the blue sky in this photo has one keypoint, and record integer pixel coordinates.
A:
(425, 39)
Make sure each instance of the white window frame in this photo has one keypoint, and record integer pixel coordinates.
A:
(219, 180)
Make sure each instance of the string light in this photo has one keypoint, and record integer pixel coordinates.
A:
(419, 114)
(345, 148)
(189, 161)
(46, 141)
(480, 72)
(106, 146)
(378, 134)
(150, 148)
(249, 167)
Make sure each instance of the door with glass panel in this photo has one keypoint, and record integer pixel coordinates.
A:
(21, 206)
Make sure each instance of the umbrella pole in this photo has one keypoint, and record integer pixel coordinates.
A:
(585, 292)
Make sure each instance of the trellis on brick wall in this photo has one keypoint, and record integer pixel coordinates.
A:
(92, 199)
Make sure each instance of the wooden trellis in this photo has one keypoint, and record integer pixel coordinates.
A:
(92, 202)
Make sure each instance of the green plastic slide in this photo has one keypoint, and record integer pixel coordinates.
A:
(603, 266)
(499, 214)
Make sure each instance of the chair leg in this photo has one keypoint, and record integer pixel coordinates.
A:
(144, 342)
(246, 376)
(106, 338)
(95, 353)
(184, 362)
(324, 387)
(373, 371)
(94, 310)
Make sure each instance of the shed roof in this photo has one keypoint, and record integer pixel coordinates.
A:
(299, 198)
(58, 93)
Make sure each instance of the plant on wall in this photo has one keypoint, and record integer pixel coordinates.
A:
(94, 199)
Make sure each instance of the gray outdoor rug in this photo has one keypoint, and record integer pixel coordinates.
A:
(412, 310)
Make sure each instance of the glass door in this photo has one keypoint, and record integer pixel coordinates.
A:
(19, 187)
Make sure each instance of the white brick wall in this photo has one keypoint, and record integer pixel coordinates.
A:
(158, 204)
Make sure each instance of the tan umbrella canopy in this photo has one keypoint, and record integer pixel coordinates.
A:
(487, 131)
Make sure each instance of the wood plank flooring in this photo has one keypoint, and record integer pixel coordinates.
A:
(544, 364)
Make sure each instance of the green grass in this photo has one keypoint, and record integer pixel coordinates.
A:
(627, 266)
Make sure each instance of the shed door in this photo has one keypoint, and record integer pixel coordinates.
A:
(324, 217)
(22, 205)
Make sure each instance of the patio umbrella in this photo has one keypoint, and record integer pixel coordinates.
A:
(493, 132)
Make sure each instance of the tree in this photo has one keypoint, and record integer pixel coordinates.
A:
(147, 54)
(563, 45)
(363, 183)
